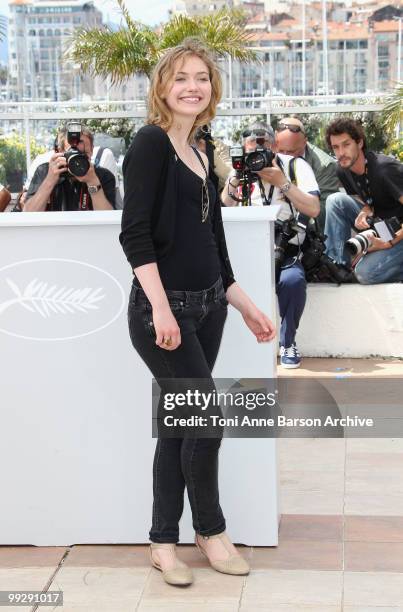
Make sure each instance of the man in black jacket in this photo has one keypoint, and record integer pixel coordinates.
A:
(374, 187)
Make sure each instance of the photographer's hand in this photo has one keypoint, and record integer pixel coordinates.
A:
(99, 200)
(274, 175)
(90, 178)
(361, 220)
(378, 245)
(57, 166)
(39, 201)
(230, 187)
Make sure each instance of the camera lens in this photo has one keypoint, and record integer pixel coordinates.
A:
(78, 164)
(255, 161)
(360, 243)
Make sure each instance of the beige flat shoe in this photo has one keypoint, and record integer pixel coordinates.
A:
(234, 564)
(180, 575)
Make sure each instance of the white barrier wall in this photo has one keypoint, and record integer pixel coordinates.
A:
(352, 321)
(76, 453)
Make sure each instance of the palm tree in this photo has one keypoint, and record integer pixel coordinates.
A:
(392, 113)
(136, 48)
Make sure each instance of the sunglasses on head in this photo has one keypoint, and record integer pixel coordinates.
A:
(293, 128)
(254, 133)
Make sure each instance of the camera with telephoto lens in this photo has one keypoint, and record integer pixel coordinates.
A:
(385, 229)
(284, 231)
(77, 162)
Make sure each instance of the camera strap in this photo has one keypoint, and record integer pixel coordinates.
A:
(84, 203)
(293, 178)
(363, 187)
(266, 200)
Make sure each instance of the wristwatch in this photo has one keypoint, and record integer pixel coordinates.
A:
(94, 188)
(284, 188)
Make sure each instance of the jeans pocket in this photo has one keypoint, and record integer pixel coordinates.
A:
(149, 323)
(140, 314)
(176, 305)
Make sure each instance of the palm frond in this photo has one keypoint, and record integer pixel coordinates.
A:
(117, 55)
(136, 48)
(392, 113)
(222, 32)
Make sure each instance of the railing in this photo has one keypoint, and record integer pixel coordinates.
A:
(22, 115)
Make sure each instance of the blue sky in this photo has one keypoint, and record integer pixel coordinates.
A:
(147, 11)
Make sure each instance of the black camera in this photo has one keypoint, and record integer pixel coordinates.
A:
(319, 267)
(284, 231)
(385, 229)
(78, 163)
(251, 162)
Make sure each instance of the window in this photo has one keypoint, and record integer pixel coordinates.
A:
(352, 44)
(383, 51)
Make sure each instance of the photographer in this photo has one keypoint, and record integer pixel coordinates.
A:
(272, 185)
(374, 188)
(69, 181)
(291, 139)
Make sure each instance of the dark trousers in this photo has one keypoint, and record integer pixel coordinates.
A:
(291, 293)
(183, 461)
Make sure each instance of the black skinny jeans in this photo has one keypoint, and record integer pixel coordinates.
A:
(183, 461)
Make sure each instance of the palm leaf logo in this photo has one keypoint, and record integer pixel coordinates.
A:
(39, 297)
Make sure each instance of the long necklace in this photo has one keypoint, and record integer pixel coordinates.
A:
(205, 199)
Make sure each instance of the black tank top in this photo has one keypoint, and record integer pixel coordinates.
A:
(193, 262)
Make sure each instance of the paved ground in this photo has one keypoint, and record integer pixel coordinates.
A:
(341, 538)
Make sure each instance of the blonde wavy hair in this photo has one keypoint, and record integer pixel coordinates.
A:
(162, 78)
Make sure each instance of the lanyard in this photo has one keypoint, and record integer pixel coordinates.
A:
(84, 202)
(362, 182)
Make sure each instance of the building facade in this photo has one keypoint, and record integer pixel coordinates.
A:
(38, 32)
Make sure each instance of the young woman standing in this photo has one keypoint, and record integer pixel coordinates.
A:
(173, 237)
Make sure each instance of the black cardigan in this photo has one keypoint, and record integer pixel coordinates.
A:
(150, 198)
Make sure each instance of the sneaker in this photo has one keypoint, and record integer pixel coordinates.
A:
(290, 357)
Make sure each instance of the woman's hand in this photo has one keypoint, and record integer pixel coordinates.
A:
(166, 329)
(259, 324)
